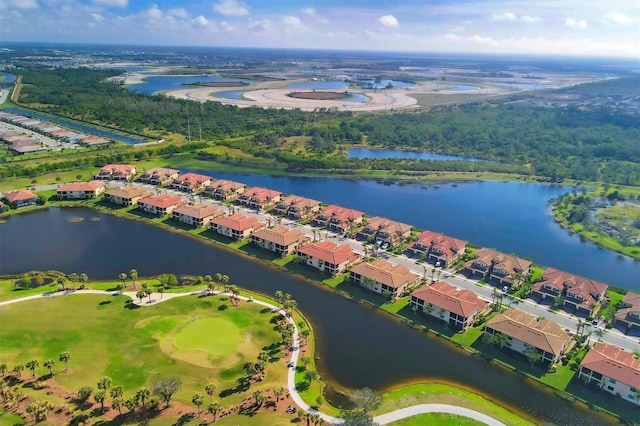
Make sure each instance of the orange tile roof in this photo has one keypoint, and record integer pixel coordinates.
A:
(198, 211)
(128, 192)
(340, 214)
(630, 303)
(192, 179)
(299, 202)
(385, 273)
(500, 260)
(227, 185)
(382, 224)
(162, 201)
(118, 168)
(81, 186)
(541, 333)
(330, 252)
(22, 194)
(238, 222)
(449, 246)
(613, 362)
(446, 296)
(281, 235)
(260, 195)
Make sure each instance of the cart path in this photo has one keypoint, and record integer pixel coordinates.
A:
(295, 354)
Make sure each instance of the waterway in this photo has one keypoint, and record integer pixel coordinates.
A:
(512, 217)
(398, 153)
(357, 346)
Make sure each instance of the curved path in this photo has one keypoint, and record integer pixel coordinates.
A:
(295, 354)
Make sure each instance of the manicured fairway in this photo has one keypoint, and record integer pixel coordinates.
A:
(437, 419)
(199, 339)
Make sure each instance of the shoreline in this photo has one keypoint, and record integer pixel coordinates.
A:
(370, 305)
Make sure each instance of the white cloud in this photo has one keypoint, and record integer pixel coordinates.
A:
(260, 26)
(618, 18)
(504, 17)
(388, 21)
(97, 17)
(529, 19)
(309, 11)
(178, 12)
(292, 23)
(19, 4)
(154, 12)
(113, 3)
(230, 8)
(575, 23)
(226, 26)
(201, 21)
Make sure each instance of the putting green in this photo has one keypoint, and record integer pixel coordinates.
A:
(216, 336)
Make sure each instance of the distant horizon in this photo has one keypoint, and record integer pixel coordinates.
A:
(545, 27)
(5, 44)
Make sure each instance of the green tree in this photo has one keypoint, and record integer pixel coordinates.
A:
(143, 395)
(277, 392)
(116, 392)
(84, 393)
(133, 274)
(532, 355)
(33, 410)
(117, 404)
(18, 369)
(32, 366)
(100, 397)
(165, 388)
(356, 418)
(104, 383)
(366, 399)
(49, 365)
(141, 295)
(84, 278)
(210, 389)
(214, 408)
(198, 400)
(65, 357)
(310, 375)
(123, 278)
(3, 368)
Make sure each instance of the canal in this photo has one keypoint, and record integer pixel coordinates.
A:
(357, 346)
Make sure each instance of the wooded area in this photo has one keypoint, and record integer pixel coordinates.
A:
(595, 144)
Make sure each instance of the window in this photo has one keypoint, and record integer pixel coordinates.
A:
(610, 388)
(613, 381)
(631, 396)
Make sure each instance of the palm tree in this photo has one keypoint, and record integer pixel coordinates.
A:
(133, 274)
(310, 375)
(278, 393)
(225, 279)
(279, 296)
(197, 400)
(49, 364)
(501, 339)
(210, 389)
(142, 395)
(3, 368)
(18, 369)
(61, 281)
(316, 418)
(218, 277)
(213, 408)
(104, 383)
(100, 396)
(117, 404)
(33, 410)
(65, 357)
(141, 295)
(32, 365)
(116, 392)
(427, 308)
(149, 293)
(305, 415)
(84, 278)
(532, 355)
(123, 278)
(161, 291)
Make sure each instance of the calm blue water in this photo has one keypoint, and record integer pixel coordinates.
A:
(509, 216)
(231, 94)
(7, 78)
(75, 126)
(337, 84)
(155, 84)
(462, 88)
(398, 153)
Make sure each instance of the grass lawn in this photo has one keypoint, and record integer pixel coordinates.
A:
(440, 419)
(10, 419)
(190, 337)
(445, 394)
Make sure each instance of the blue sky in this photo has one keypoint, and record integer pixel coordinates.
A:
(560, 27)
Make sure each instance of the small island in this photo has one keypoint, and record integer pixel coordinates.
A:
(320, 96)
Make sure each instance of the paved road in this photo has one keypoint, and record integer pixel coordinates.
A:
(295, 354)
(565, 320)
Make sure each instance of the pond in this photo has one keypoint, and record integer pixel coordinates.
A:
(398, 153)
(342, 85)
(6, 78)
(461, 88)
(156, 84)
(512, 217)
(357, 346)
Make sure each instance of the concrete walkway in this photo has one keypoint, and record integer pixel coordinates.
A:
(295, 354)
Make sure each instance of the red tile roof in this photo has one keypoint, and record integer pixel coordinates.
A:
(330, 252)
(500, 260)
(298, 202)
(192, 179)
(630, 304)
(448, 246)
(161, 201)
(446, 296)
(260, 195)
(613, 362)
(591, 291)
(128, 192)
(391, 227)
(238, 222)
(22, 194)
(118, 168)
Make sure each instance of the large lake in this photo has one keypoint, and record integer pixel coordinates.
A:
(357, 346)
(156, 84)
(512, 217)
(398, 153)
